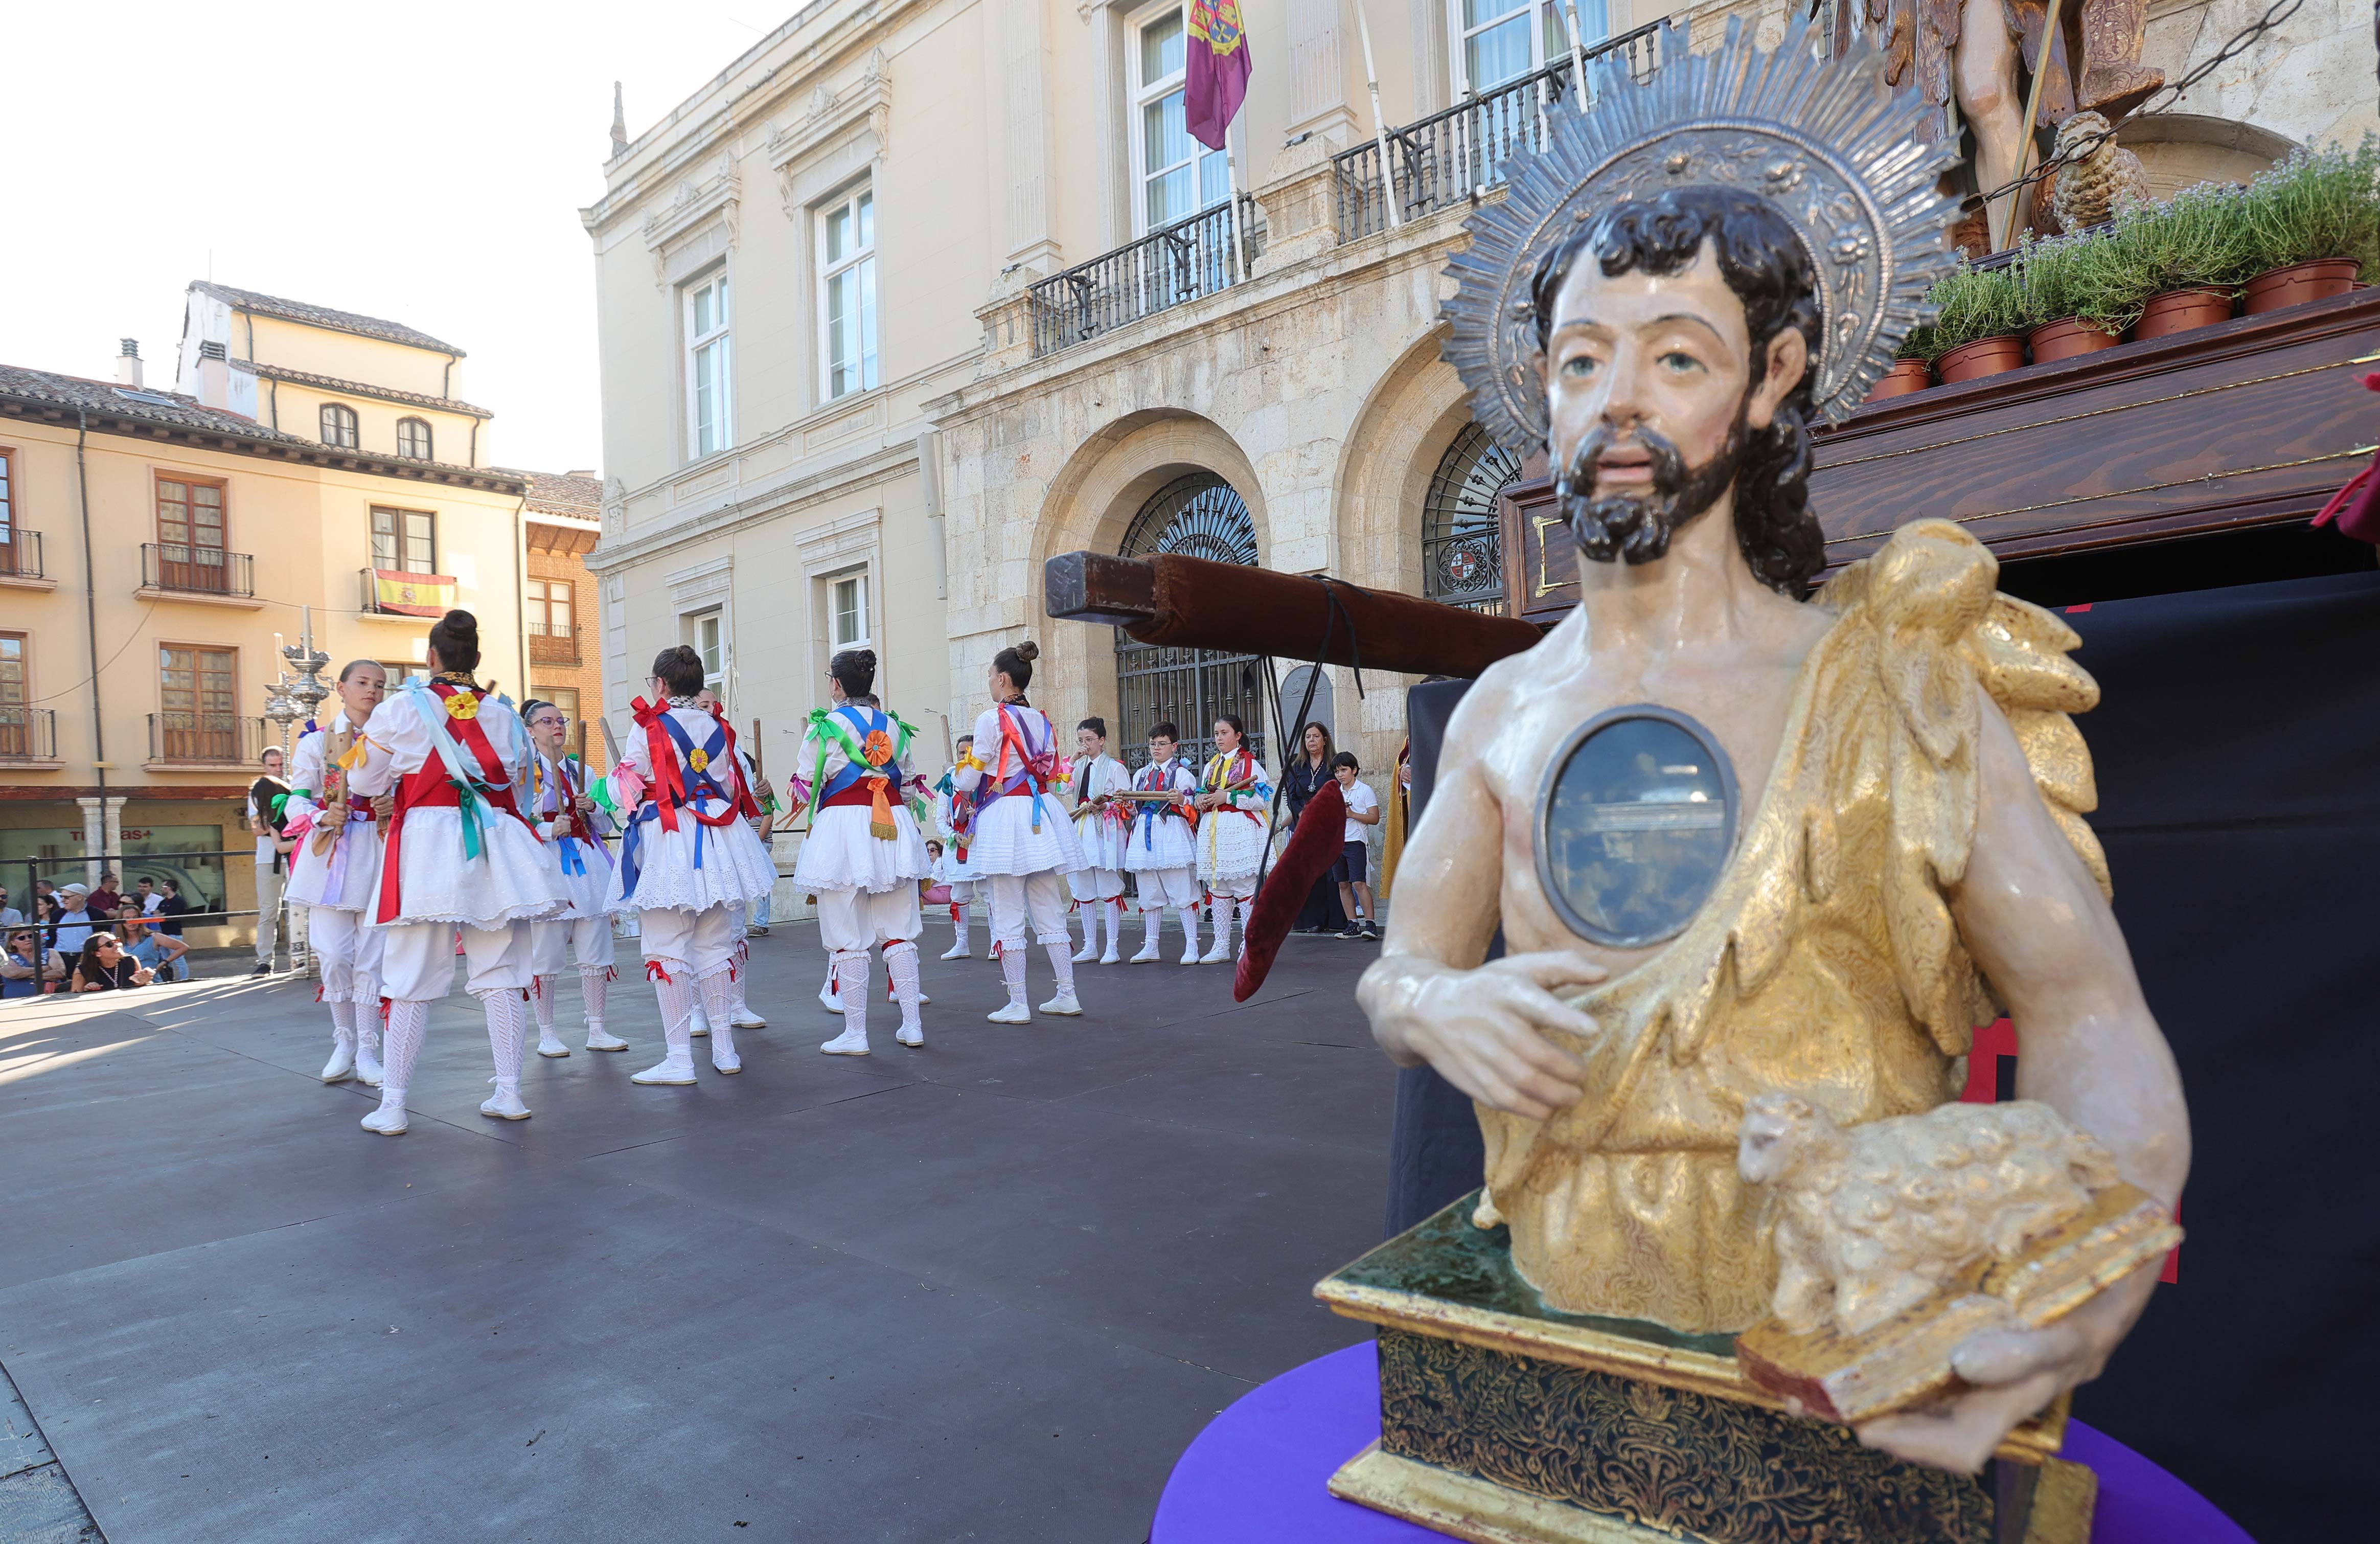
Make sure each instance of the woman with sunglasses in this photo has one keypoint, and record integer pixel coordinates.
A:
(28, 970)
(104, 967)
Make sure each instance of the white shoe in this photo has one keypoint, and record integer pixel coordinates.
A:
(1014, 1013)
(723, 1059)
(831, 1002)
(910, 1034)
(1062, 1006)
(387, 1121)
(670, 1071)
(1111, 957)
(746, 1020)
(958, 952)
(601, 1038)
(1150, 954)
(701, 1024)
(367, 1068)
(505, 1104)
(1088, 952)
(1190, 955)
(1216, 954)
(341, 1064)
(550, 1044)
(923, 1000)
(851, 1042)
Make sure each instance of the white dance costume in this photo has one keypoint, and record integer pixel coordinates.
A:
(863, 860)
(1232, 841)
(951, 813)
(1160, 852)
(687, 858)
(1021, 843)
(339, 887)
(584, 928)
(459, 854)
(1100, 831)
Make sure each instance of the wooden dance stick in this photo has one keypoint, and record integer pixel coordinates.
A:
(1190, 603)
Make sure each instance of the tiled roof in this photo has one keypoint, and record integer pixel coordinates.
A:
(322, 316)
(111, 409)
(580, 498)
(359, 388)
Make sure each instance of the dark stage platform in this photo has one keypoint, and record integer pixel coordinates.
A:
(987, 1290)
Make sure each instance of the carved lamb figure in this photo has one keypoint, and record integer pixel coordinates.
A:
(1873, 1219)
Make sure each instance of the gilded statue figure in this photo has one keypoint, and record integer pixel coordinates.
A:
(1886, 768)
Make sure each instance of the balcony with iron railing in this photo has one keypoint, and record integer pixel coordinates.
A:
(20, 556)
(28, 735)
(552, 648)
(171, 569)
(1459, 155)
(203, 741)
(1163, 269)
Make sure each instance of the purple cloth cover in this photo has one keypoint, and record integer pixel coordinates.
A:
(1259, 1471)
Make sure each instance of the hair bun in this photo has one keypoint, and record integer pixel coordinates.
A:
(868, 660)
(460, 624)
(1028, 650)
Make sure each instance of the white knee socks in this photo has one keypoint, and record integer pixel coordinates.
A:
(343, 1023)
(1012, 970)
(1221, 913)
(1062, 960)
(1248, 908)
(719, 1002)
(900, 964)
(959, 925)
(676, 994)
(1155, 917)
(541, 992)
(508, 1034)
(1189, 916)
(408, 1025)
(851, 972)
(594, 982)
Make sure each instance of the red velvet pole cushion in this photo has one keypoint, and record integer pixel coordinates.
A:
(1313, 848)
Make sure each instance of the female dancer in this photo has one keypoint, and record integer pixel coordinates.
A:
(689, 856)
(458, 852)
(335, 874)
(865, 854)
(956, 873)
(1235, 804)
(1021, 842)
(574, 826)
(1098, 826)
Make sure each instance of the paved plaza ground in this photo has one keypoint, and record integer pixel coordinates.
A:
(987, 1290)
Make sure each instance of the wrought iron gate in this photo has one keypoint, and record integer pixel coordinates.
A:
(1199, 514)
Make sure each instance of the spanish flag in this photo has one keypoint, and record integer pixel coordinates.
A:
(412, 595)
(1216, 79)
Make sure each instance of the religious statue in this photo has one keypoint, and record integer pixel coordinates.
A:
(1745, 840)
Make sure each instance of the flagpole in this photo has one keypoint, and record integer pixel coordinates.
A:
(1379, 124)
(1577, 54)
(1232, 176)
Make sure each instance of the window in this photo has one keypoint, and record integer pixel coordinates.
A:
(1497, 41)
(1462, 541)
(552, 637)
(195, 697)
(339, 425)
(708, 368)
(401, 671)
(405, 540)
(1177, 177)
(847, 609)
(413, 439)
(190, 534)
(705, 633)
(8, 554)
(563, 698)
(847, 302)
(16, 721)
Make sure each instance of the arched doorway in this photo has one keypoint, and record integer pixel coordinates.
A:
(1199, 515)
(1462, 546)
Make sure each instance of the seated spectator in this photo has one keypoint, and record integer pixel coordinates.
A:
(161, 953)
(70, 919)
(104, 967)
(9, 916)
(106, 902)
(28, 970)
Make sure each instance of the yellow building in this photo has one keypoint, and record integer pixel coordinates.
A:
(156, 546)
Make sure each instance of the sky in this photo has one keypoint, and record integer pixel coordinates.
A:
(423, 161)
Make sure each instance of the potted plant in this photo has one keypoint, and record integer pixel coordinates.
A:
(2313, 222)
(2078, 293)
(1912, 366)
(2192, 251)
(1978, 325)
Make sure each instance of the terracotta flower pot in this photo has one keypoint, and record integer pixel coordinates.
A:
(2178, 310)
(2067, 337)
(1904, 377)
(1971, 361)
(2298, 283)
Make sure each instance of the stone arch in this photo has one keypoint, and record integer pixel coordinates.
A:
(1090, 504)
(1400, 434)
(2178, 150)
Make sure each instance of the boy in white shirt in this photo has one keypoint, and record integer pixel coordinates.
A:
(1354, 869)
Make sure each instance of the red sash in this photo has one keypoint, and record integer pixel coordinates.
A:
(859, 793)
(431, 786)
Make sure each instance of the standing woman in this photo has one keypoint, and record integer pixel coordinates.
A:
(573, 827)
(458, 852)
(688, 858)
(1234, 824)
(1098, 828)
(1022, 842)
(865, 854)
(334, 873)
(1301, 781)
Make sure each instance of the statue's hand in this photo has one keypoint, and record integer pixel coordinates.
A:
(2015, 1374)
(1480, 1028)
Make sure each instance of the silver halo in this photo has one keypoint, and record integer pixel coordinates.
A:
(1850, 164)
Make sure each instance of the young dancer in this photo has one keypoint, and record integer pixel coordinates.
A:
(458, 852)
(1355, 866)
(334, 873)
(1099, 827)
(763, 825)
(574, 826)
(956, 873)
(865, 854)
(1020, 841)
(687, 857)
(1161, 848)
(1235, 804)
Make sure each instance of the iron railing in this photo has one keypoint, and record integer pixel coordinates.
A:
(20, 553)
(29, 734)
(212, 739)
(1180, 261)
(1455, 156)
(197, 570)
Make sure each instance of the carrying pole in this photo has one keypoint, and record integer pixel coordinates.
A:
(1379, 124)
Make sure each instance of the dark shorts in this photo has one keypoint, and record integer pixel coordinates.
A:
(1354, 863)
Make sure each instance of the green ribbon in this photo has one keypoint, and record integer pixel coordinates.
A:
(466, 801)
(826, 725)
